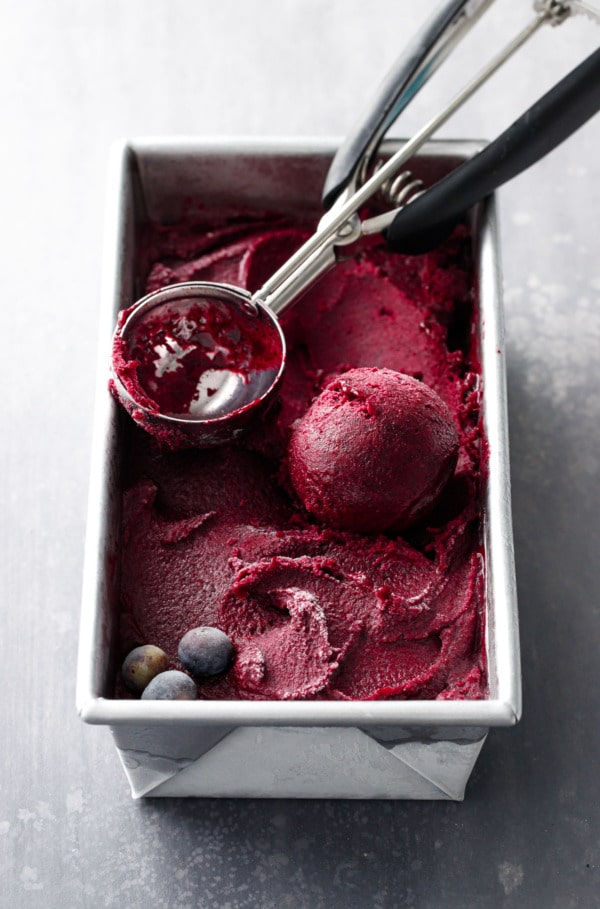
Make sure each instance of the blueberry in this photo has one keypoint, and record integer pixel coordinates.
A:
(205, 652)
(141, 665)
(171, 686)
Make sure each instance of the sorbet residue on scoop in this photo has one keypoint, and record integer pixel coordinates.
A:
(220, 538)
(182, 358)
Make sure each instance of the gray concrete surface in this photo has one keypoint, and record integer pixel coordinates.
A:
(73, 77)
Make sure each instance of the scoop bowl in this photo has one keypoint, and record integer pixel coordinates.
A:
(195, 363)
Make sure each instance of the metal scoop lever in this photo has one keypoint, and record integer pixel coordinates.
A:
(562, 9)
(419, 61)
(342, 224)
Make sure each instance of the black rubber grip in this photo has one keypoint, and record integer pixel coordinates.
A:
(422, 224)
(354, 146)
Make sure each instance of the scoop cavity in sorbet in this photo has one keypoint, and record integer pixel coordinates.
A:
(374, 451)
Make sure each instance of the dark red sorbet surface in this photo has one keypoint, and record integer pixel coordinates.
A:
(219, 537)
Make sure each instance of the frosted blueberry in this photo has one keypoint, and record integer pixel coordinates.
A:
(171, 686)
(205, 652)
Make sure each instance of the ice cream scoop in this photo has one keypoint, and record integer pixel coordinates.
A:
(202, 383)
(373, 451)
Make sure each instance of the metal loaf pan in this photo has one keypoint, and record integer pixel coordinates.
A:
(297, 749)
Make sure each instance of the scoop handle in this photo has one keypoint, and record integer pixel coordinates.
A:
(427, 220)
(397, 90)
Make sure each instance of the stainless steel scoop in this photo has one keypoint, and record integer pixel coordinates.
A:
(227, 395)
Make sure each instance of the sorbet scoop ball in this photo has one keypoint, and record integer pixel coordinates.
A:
(373, 452)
